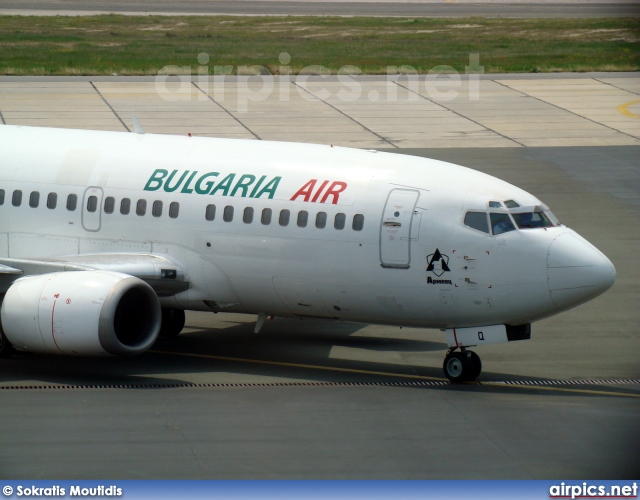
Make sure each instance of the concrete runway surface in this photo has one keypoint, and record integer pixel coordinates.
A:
(315, 399)
(385, 8)
(396, 111)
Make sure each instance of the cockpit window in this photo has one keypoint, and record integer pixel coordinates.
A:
(554, 220)
(511, 204)
(495, 204)
(501, 223)
(477, 220)
(530, 220)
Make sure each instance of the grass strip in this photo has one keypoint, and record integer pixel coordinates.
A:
(146, 45)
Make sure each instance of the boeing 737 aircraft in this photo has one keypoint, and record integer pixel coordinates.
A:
(106, 238)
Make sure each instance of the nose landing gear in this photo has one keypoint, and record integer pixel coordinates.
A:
(461, 366)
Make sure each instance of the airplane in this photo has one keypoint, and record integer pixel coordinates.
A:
(106, 238)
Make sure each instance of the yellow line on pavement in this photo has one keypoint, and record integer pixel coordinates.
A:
(563, 389)
(624, 109)
(299, 365)
(396, 375)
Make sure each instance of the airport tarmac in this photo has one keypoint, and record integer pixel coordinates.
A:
(460, 111)
(320, 399)
(385, 8)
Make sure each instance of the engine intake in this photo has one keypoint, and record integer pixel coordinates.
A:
(86, 313)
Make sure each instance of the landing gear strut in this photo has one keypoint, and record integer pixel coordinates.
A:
(461, 366)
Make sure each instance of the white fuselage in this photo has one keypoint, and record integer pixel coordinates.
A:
(385, 239)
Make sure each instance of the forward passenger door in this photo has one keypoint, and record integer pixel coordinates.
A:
(395, 228)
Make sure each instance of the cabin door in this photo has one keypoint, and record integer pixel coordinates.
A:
(92, 209)
(395, 228)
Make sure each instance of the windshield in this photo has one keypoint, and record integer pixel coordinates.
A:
(529, 220)
(501, 223)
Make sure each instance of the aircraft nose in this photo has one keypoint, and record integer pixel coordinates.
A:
(577, 271)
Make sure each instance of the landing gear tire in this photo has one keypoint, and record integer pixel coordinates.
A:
(456, 366)
(476, 365)
(462, 366)
(172, 323)
(6, 350)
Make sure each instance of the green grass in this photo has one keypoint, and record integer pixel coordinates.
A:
(144, 45)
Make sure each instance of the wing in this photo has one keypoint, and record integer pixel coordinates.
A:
(163, 274)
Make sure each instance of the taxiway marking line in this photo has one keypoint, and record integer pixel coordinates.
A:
(562, 389)
(624, 109)
(388, 374)
(300, 365)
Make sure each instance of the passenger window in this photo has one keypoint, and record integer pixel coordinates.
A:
(247, 216)
(210, 213)
(227, 215)
(303, 217)
(92, 204)
(34, 199)
(358, 222)
(1, 196)
(284, 217)
(16, 201)
(141, 207)
(266, 216)
(501, 223)
(72, 202)
(174, 210)
(125, 206)
(339, 221)
(321, 220)
(109, 204)
(156, 209)
(52, 200)
(477, 220)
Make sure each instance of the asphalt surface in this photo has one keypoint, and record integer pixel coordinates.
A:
(336, 8)
(315, 399)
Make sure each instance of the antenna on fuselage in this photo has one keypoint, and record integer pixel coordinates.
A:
(136, 125)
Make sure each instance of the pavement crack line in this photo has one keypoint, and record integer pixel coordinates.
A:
(226, 111)
(110, 107)
(616, 87)
(459, 114)
(567, 110)
(346, 115)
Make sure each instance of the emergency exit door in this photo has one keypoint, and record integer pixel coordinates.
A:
(395, 228)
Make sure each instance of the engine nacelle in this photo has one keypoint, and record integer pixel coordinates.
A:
(86, 313)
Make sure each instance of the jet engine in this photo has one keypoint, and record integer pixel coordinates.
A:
(87, 313)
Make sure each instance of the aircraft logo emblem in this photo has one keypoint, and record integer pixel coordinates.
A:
(438, 263)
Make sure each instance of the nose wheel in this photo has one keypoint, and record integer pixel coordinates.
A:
(462, 366)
